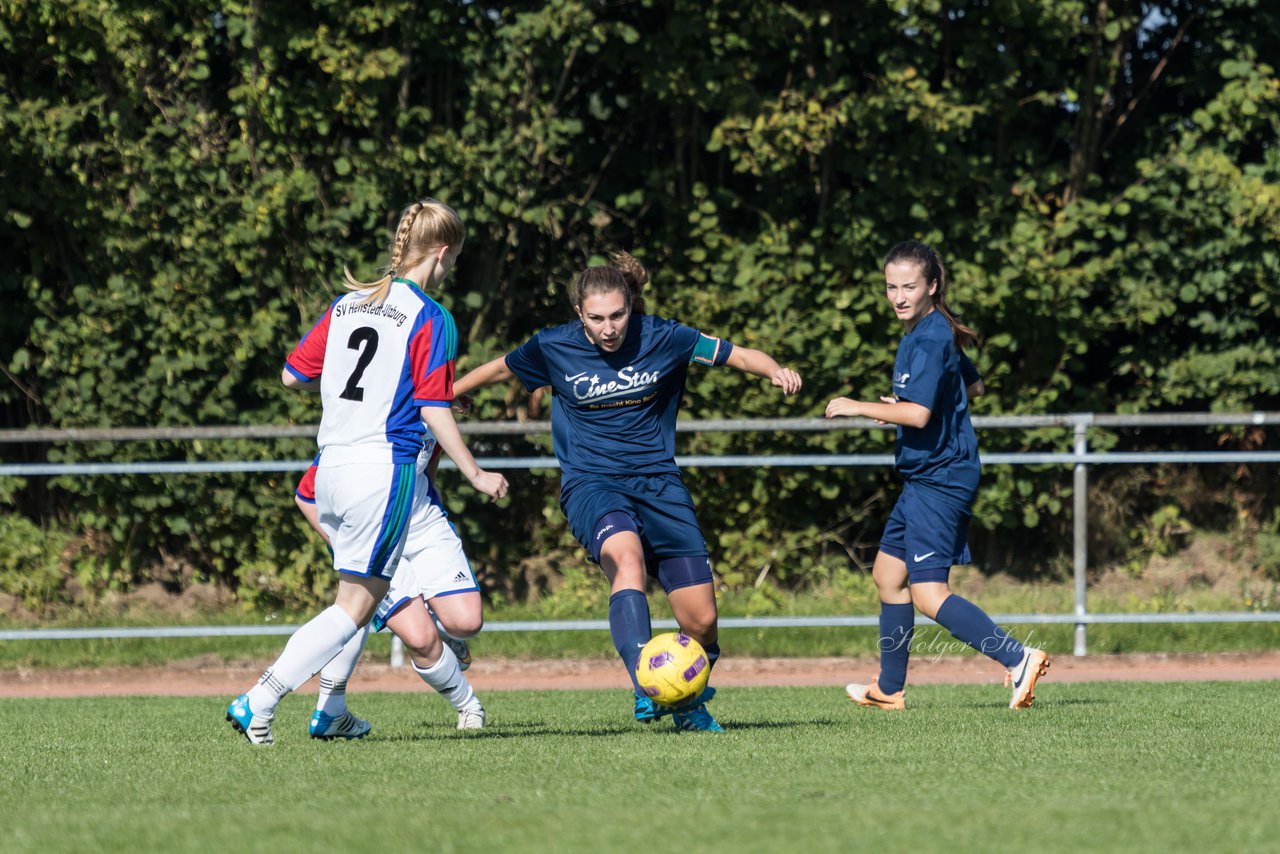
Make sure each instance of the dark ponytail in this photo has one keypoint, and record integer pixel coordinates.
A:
(635, 274)
(625, 274)
(914, 252)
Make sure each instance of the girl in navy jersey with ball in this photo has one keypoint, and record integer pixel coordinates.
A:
(937, 456)
(617, 376)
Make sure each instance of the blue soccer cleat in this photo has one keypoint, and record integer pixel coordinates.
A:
(696, 719)
(647, 710)
(256, 728)
(346, 725)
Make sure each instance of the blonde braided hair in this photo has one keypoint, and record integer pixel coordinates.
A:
(424, 227)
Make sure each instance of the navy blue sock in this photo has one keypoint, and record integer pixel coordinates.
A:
(713, 652)
(629, 625)
(971, 624)
(897, 626)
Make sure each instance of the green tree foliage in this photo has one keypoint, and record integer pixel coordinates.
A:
(183, 183)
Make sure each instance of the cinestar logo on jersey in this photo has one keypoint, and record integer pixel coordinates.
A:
(587, 386)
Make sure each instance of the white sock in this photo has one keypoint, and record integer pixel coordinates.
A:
(310, 648)
(446, 678)
(332, 699)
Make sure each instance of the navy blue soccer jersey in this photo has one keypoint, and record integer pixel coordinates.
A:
(968, 371)
(928, 370)
(615, 413)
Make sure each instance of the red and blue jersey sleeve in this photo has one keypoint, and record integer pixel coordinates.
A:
(306, 362)
(433, 352)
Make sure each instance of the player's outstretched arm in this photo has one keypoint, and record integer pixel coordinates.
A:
(440, 420)
(903, 413)
(762, 364)
(491, 372)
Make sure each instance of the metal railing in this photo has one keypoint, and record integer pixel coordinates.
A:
(1080, 458)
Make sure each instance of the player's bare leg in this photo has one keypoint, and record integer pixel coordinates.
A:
(458, 616)
(434, 662)
(694, 608)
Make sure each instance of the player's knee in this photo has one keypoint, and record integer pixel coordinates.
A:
(421, 642)
(463, 627)
(428, 651)
(928, 598)
(701, 626)
(630, 572)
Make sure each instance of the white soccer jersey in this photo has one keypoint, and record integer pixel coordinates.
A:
(306, 489)
(377, 364)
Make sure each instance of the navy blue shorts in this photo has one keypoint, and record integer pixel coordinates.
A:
(660, 506)
(928, 530)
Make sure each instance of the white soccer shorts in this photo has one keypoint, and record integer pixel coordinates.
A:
(433, 564)
(365, 510)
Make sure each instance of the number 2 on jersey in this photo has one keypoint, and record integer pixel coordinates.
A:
(368, 337)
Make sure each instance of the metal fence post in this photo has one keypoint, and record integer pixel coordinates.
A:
(1080, 533)
(397, 651)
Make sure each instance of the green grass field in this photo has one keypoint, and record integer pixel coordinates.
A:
(1094, 766)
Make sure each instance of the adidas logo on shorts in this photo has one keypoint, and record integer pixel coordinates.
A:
(461, 576)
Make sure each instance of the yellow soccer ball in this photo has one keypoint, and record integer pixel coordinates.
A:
(673, 667)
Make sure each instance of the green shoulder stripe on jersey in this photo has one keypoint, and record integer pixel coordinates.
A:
(450, 331)
(450, 327)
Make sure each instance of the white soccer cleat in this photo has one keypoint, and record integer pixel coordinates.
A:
(1034, 664)
(471, 718)
(255, 727)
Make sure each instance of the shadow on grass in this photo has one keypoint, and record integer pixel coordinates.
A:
(438, 732)
(1073, 701)
(432, 732)
(1044, 704)
(737, 726)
